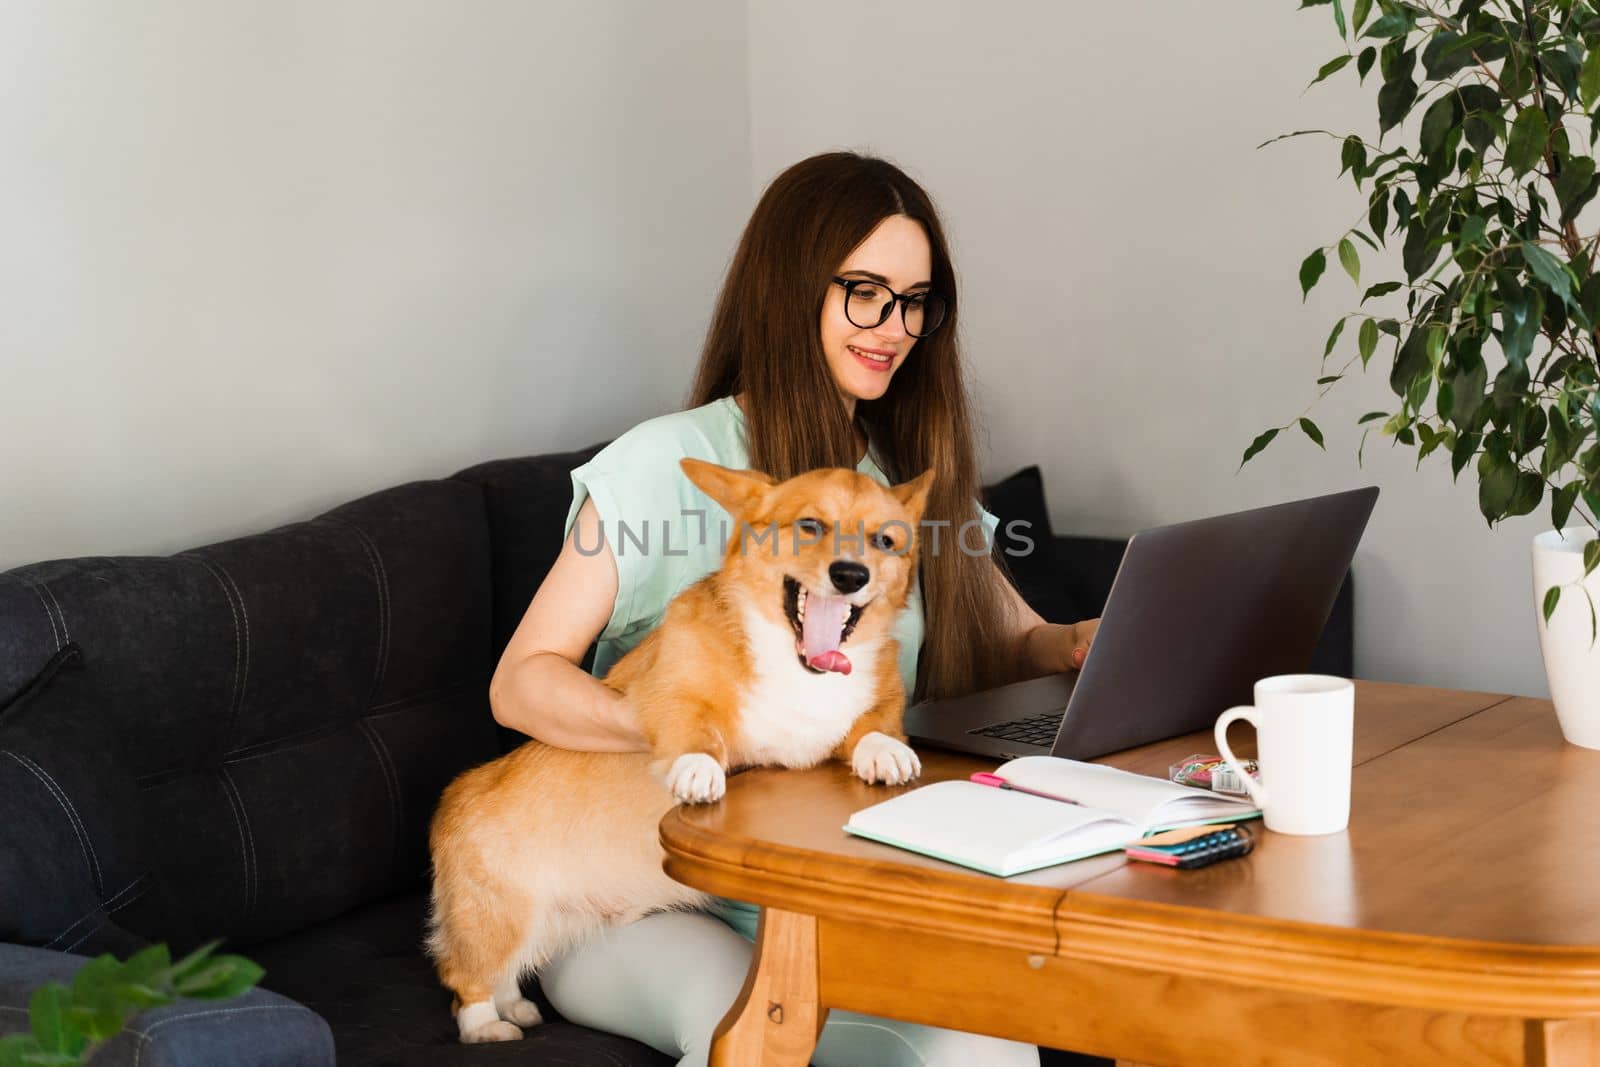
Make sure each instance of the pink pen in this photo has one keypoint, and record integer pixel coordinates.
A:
(998, 782)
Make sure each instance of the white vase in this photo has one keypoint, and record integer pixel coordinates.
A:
(1571, 660)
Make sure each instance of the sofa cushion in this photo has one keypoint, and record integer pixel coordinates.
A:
(363, 973)
(1028, 549)
(279, 712)
(72, 872)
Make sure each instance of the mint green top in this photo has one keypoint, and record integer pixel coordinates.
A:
(666, 534)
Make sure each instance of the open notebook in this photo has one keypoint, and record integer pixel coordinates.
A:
(1005, 832)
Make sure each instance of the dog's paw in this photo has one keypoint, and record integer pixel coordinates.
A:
(880, 758)
(696, 778)
(521, 1011)
(480, 1023)
(495, 1031)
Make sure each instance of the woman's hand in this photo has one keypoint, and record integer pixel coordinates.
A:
(1080, 636)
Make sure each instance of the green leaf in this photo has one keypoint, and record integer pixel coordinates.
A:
(1359, 13)
(1437, 122)
(1435, 345)
(1497, 483)
(1551, 597)
(1549, 269)
(225, 976)
(1350, 259)
(1381, 289)
(1529, 491)
(1310, 271)
(1577, 174)
(1394, 102)
(1371, 416)
(1589, 79)
(1332, 66)
(14, 1047)
(1364, 62)
(1353, 156)
(1591, 556)
(1410, 362)
(1261, 441)
(1520, 315)
(1338, 17)
(1448, 53)
(1395, 25)
(1329, 379)
(1312, 432)
(146, 964)
(1333, 338)
(1525, 148)
(52, 1026)
(1561, 502)
(1367, 340)
(1478, 97)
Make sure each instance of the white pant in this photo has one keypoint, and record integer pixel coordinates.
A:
(668, 979)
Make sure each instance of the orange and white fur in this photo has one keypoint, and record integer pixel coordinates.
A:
(782, 657)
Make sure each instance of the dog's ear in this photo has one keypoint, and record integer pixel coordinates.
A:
(735, 490)
(913, 495)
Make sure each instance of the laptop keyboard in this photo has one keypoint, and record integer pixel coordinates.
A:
(1038, 730)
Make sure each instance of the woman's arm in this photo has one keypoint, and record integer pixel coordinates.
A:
(539, 687)
(1040, 647)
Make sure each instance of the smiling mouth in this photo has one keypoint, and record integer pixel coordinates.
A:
(821, 624)
(876, 357)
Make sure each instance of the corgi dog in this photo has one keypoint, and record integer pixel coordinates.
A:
(783, 656)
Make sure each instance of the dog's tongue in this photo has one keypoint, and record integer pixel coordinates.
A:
(820, 632)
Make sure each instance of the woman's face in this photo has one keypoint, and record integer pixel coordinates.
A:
(895, 254)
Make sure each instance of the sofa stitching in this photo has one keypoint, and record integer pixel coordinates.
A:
(244, 613)
(87, 846)
(404, 703)
(388, 612)
(380, 581)
(55, 635)
(247, 844)
(108, 907)
(238, 652)
(106, 918)
(275, 745)
(144, 1035)
(391, 778)
(66, 634)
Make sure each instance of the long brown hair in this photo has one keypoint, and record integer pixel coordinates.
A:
(764, 341)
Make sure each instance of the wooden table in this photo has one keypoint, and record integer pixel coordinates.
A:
(1457, 921)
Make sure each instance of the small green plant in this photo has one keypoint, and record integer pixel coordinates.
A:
(70, 1022)
(1494, 360)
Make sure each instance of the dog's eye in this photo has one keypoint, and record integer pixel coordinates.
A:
(883, 542)
(811, 527)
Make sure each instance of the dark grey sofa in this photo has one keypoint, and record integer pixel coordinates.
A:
(246, 740)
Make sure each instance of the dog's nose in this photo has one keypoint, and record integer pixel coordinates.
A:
(847, 577)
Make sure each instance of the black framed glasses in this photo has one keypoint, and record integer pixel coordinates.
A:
(868, 304)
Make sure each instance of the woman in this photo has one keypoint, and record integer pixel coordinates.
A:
(853, 244)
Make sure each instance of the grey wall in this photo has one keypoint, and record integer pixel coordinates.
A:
(260, 256)
(1128, 262)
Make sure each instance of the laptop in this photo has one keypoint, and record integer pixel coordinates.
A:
(1197, 613)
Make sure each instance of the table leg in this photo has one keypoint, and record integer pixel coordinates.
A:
(776, 1020)
(1562, 1042)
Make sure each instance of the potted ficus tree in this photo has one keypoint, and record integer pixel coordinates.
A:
(1490, 339)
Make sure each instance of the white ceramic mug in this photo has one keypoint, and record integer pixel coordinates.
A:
(1304, 729)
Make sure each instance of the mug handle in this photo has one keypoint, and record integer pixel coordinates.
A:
(1258, 793)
